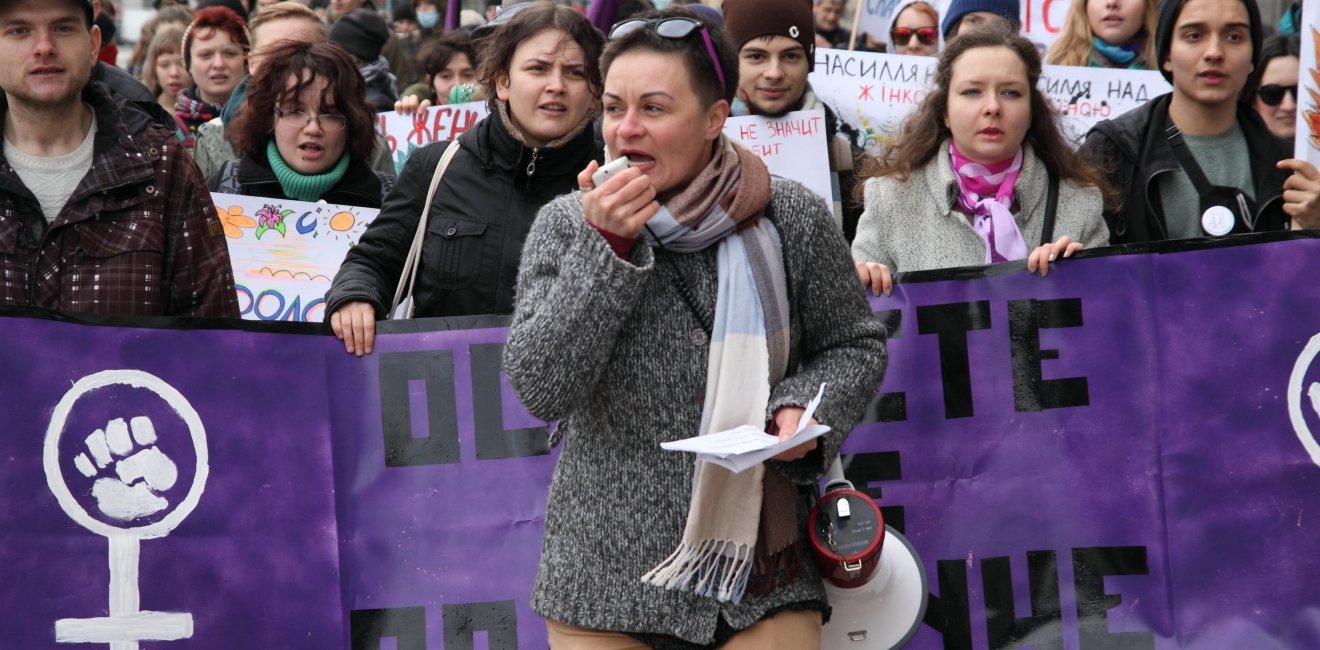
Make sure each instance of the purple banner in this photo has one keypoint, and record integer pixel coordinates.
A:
(1121, 455)
(202, 453)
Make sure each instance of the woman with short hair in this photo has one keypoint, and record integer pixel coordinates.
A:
(306, 132)
(689, 294)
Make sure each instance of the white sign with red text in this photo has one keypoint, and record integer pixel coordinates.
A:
(792, 146)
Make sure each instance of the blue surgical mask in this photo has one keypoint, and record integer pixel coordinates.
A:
(428, 19)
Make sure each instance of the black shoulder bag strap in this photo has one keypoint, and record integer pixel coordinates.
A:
(1051, 205)
(1211, 195)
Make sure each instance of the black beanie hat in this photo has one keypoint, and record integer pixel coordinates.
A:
(1167, 17)
(363, 33)
(748, 19)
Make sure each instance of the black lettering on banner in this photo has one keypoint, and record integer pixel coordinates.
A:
(951, 322)
(435, 368)
(863, 469)
(1026, 318)
(888, 407)
(493, 440)
(1090, 566)
(497, 619)
(1043, 630)
(407, 625)
(949, 613)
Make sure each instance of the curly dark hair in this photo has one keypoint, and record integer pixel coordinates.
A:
(345, 91)
(924, 131)
(495, 51)
(701, 70)
(436, 52)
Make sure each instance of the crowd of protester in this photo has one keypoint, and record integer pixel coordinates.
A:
(630, 289)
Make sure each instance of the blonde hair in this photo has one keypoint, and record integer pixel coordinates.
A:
(168, 40)
(1075, 41)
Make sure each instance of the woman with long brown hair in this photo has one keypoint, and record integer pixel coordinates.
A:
(967, 180)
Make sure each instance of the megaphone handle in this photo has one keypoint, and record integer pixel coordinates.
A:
(834, 478)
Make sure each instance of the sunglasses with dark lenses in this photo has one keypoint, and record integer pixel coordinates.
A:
(902, 35)
(674, 28)
(1272, 94)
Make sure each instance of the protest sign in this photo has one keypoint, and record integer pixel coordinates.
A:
(407, 133)
(286, 252)
(1307, 142)
(1042, 20)
(792, 146)
(1123, 454)
(873, 93)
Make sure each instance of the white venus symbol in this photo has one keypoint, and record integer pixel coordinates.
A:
(131, 471)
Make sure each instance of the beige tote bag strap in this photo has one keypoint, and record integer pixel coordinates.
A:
(408, 276)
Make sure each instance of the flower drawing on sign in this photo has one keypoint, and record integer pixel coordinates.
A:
(270, 217)
(234, 220)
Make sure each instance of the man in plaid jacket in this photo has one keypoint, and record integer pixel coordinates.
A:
(101, 210)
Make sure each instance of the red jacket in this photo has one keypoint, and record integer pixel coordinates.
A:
(138, 236)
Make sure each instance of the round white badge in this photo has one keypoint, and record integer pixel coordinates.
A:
(1217, 221)
(793, 31)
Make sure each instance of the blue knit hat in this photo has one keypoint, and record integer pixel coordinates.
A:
(1011, 10)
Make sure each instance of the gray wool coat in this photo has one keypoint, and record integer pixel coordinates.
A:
(611, 349)
(914, 225)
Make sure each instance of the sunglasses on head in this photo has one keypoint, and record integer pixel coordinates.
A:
(674, 28)
(902, 35)
(1272, 94)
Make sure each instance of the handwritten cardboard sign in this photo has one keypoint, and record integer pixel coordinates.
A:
(792, 146)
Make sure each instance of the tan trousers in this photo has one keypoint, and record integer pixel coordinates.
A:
(790, 630)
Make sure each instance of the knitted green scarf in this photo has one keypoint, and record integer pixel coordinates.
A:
(304, 187)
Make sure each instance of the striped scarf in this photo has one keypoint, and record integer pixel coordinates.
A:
(737, 524)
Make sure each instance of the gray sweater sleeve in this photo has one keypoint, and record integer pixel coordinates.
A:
(574, 293)
(838, 340)
(871, 242)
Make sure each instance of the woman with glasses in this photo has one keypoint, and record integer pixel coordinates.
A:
(1107, 34)
(540, 74)
(1272, 90)
(914, 30)
(306, 132)
(690, 293)
(967, 181)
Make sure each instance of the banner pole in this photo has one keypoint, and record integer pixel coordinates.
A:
(856, 25)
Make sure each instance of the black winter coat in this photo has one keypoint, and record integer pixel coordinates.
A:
(252, 176)
(1133, 149)
(479, 219)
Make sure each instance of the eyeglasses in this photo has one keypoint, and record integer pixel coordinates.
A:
(1272, 94)
(300, 119)
(674, 28)
(903, 35)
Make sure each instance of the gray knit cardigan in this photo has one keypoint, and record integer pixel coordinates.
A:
(913, 225)
(611, 349)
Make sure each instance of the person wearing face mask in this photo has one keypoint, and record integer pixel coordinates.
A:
(415, 24)
(540, 71)
(1107, 34)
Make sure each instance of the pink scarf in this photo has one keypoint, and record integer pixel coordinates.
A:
(992, 216)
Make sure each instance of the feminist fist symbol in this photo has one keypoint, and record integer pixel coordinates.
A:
(140, 470)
